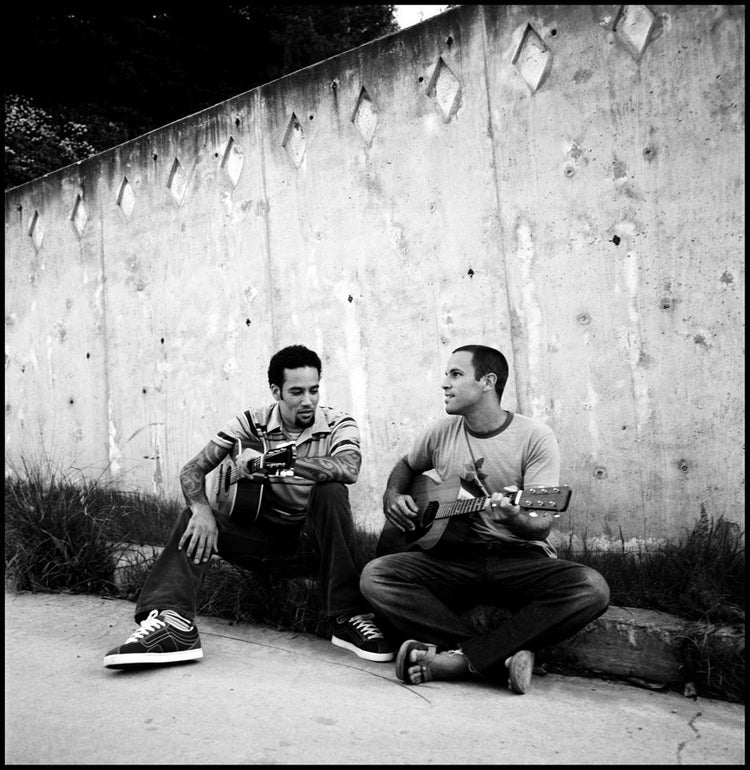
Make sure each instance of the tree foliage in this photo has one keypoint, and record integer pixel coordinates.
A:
(89, 76)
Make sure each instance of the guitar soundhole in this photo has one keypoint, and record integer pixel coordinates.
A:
(429, 514)
(227, 482)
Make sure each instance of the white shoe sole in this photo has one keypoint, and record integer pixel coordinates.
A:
(152, 658)
(380, 657)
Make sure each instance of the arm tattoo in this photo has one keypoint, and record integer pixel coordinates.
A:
(342, 467)
(193, 474)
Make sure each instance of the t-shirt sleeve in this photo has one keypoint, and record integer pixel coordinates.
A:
(542, 466)
(420, 456)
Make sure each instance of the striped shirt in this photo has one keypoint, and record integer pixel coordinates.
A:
(331, 433)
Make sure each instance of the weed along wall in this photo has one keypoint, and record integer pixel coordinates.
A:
(563, 182)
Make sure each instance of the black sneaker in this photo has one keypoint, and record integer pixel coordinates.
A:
(164, 637)
(360, 635)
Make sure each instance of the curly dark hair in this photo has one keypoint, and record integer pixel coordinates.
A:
(291, 357)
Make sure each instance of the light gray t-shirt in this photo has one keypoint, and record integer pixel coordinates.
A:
(523, 452)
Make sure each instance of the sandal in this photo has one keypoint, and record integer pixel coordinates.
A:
(403, 661)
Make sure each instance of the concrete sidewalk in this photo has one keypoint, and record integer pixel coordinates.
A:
(266, 697)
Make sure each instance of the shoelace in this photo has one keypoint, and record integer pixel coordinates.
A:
(149, 624)
(366, 626)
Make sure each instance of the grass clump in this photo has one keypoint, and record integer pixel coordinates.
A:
(701, 577)
(60, 534)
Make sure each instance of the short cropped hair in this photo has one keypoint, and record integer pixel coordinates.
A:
(291, 357)
(486, 360)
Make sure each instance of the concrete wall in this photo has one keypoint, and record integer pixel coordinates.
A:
(563, 182)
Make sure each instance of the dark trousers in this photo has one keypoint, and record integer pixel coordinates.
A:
(421, 595)
(323, 541)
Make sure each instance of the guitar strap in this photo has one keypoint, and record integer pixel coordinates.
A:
(481, 484)
(263, 434)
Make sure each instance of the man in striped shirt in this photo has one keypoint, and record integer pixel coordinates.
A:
(272, 521)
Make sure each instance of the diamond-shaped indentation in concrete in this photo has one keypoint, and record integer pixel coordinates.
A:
(532, 58)
(36, 231)
(445, 90)
(79, 216)
(177, 183)
(365, 116)
(294, 140)
(126, 197)
(232, 161)
(633, 27)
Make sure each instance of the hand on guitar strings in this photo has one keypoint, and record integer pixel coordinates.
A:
(400, 510)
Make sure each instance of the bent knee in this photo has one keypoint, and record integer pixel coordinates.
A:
(596, 588)
(371, 576)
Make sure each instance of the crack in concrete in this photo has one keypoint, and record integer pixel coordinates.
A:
(256, 643)
(697, 736)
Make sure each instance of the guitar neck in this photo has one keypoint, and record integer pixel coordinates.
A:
(554, 499)
(461, 507)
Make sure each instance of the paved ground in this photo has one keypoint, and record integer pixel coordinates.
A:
(266, 697)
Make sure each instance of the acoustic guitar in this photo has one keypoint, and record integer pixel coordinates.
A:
(439, 502)
(237, 495)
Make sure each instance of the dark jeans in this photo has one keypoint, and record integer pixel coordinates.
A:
(323, 541)
(421, 595)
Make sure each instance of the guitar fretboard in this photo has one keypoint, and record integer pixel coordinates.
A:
(461, 507)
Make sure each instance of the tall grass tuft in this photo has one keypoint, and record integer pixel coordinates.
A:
(60, 534)
(701, 577)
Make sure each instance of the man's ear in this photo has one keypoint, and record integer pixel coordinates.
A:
(491, 380)
(276, 392)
